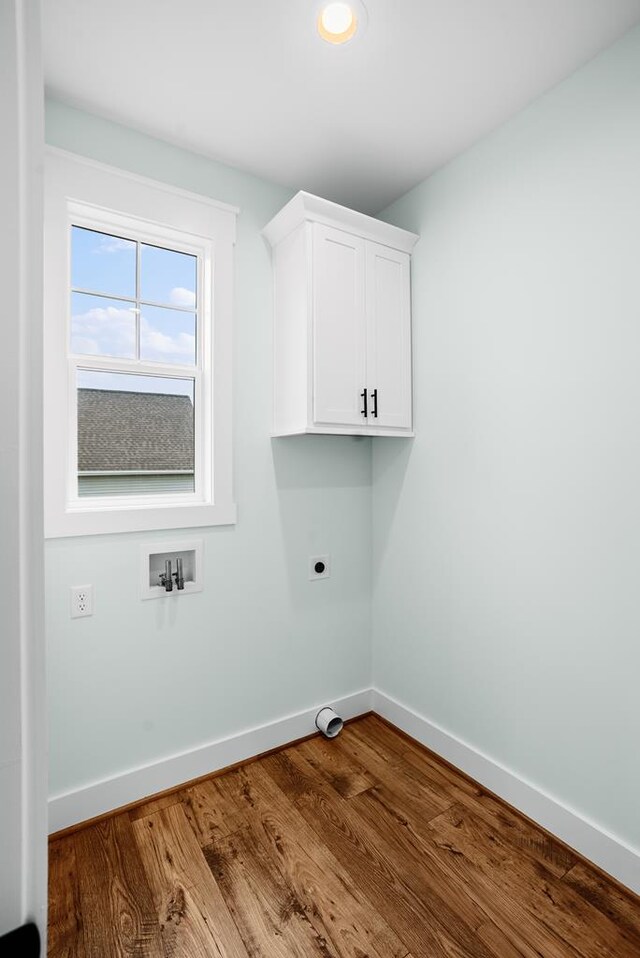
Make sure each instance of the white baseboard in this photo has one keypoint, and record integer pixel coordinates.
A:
(589, 839)
(98, 798)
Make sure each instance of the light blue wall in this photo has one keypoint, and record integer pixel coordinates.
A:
(142, 680)
(507, 536)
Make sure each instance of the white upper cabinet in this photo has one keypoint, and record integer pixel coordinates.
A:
(342, 329)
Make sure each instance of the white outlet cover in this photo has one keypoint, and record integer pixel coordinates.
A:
(315, 562)
(81, 601)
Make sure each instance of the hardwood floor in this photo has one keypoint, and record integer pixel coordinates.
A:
(367, 846)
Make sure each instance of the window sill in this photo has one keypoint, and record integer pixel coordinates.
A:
(92, 522)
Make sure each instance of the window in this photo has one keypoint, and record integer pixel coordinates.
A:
(138, 283)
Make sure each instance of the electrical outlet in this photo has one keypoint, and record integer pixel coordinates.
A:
(319, 567)
(81, 601)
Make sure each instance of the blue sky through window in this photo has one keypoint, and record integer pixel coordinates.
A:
(102, 326)
(167, 277)
(102, 263)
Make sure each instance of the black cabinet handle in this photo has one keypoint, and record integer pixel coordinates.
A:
(374, 396)
(363, 396)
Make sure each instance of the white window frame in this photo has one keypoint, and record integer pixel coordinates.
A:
(86, 193)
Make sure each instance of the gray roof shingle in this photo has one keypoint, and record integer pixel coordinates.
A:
(120, 430)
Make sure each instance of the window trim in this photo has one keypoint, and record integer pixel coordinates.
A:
(76, 190)
(91, 217)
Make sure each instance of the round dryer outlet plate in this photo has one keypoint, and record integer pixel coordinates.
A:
(319, 567)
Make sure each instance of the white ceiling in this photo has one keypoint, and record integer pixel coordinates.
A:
(249, 82)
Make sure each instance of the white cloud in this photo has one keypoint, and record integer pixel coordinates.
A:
(114, 244)
(179, 296)
(155, 344)
(106, 331)
(85, 345)
(111, 331)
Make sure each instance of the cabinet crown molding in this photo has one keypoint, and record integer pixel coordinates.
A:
(305, 207)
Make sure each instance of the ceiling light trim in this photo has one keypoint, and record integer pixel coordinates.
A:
(352, 33)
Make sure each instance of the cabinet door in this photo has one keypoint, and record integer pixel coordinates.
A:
(339, 327)
(388, 336)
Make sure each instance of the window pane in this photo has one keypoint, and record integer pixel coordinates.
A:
(135, 434)
(167, 277)
(102, 326)
(167, 335)
(103, 263)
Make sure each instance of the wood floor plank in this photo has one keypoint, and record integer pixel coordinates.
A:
(420, 917)
(382, 814)
(522, 836)
(610, 899)
(339, 768)
(194, 920)
(398, 799)
(497, 940)
(334, 905)
(436, 776)
(574, 920)
(402, 781)
(65, 931)
(461, 877)
(268, 914)
(118, 914)
(209, 811)
(405, 755)
(154, 805)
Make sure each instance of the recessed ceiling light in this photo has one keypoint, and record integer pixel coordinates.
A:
(337, 22)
